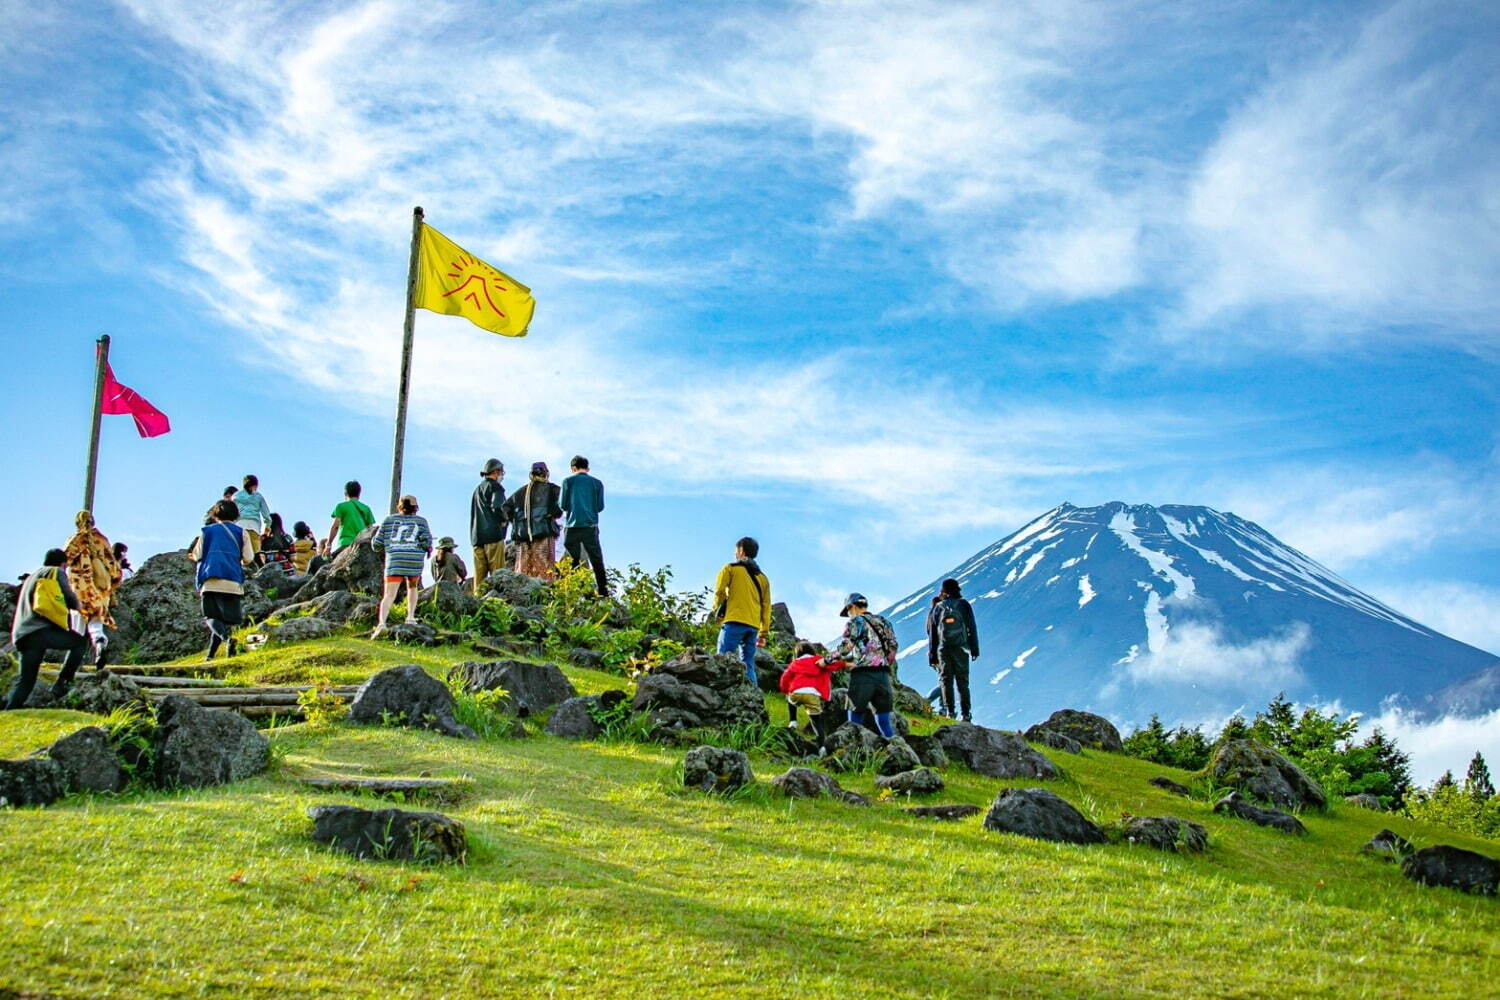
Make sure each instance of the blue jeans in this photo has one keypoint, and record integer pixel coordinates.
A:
(734, 636)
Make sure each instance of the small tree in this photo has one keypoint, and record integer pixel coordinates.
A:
(1235, 729)
(1149, 743)
(1477, 782)
(1446, 781)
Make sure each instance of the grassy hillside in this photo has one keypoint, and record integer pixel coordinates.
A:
(593, 873)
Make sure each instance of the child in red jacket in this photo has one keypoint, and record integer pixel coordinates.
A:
(805, 683)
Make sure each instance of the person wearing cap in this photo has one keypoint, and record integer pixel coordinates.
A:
(582, 500)
(406, 540)
(534, 510)
(487, 522)
(869, 647)
(446, 565)
(742, 601)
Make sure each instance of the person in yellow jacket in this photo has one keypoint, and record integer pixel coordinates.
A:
(742, 601)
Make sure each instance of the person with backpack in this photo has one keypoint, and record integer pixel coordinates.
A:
(406, 540)
(276, 544)
(487, 522)
(806, 684)
(533, 510)
(582, 499)
(869, 647)
(447, 567)
(41, 623)
(742, 602)
(350, 517)
(952, 640)
(94, 576)
(222, 550)
(255, 511)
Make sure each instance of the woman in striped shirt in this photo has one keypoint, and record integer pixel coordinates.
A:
(407, 542)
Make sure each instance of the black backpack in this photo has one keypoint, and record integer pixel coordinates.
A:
(952, 625)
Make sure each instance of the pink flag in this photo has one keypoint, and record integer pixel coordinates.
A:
(149, 421)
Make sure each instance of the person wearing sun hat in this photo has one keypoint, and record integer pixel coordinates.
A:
(533, 510)
(446, 565)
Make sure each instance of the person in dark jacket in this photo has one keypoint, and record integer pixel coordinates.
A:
(33, 632)
(534, 510)
(487, 522)
(952, 639)
(582, 500)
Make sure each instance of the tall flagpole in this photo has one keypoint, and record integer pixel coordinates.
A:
(405, 383)
(101, 362)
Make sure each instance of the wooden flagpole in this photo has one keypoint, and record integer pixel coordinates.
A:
(101, 362)
(404, 387)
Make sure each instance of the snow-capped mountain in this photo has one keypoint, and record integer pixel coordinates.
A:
(1183, 611)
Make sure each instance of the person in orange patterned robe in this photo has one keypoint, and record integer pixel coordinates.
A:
(95, 576)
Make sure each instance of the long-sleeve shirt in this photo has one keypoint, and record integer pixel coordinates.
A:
(406, 539)
(582, 500)
(487, 513)
(743, 595)
(934, 626)
(27, 620)
(253, 507)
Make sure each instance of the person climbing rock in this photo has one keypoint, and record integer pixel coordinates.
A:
(582, 499)
(533, 510)
(742, 602)
(869, 647)
(806, 684)
(406, 540)
(255, 511)
(487, 522)
(222, 551)
(41, 623)
(447, 567)
(95, 576)
(350, 516)
(952, 640)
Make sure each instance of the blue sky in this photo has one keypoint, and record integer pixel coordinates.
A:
(876, 282)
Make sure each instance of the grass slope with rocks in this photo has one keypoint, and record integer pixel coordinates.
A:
(593, 872)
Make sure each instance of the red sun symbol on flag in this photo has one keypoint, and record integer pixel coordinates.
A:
(474, 277)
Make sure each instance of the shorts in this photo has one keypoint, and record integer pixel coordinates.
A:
(252, 531)
(870, 687)
(414, 582)
(807, 698)
(226, 608)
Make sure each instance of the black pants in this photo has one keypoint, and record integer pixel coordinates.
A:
(870, 690)
(32, 648)
(576, 540)
(953, 668)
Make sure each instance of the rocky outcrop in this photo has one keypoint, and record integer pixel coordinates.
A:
(918, 781)
(589, 659)
(1388, 846)
(1168, 785)
(699, 689)
(99, 692)
(512, 587)
(337, 607)
(412, 634)
(1052, 738)
(1455, 868)
(531, 688)
(716, 769)
(196, 746)
(910, 701)
(1234, 804)
(31, 781)
(300, 630)
(896, 757)
(89, 763)
(390, 834)
(928, 750)
(1084, 728)
(994, 753)
(1038, 813)
(1166, 833)
(357, 568)
(448, 598)
(1265, 774)
(408, 696)
(575, 719)
(805, 783)
(157, 611)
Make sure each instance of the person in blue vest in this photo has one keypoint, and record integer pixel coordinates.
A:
(582, 499)
(952, 640)
(222, 551)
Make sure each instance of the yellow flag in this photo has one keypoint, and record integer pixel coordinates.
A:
(452, 281)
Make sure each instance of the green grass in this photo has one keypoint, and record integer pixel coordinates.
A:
(592, 874)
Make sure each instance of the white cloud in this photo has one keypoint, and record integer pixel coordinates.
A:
(1198, 654)
(1444, 745)
(1469, 612)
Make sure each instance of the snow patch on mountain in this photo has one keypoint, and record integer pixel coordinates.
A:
(1124, 526)
(1085, 590)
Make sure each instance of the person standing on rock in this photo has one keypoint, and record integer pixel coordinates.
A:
(41, 623)
(255, 512)
(487, 523)
(94, 576)
(407, 541)
(952, 640)
(350, 517)
(222, 551)
(869, 647)
(742, 601)
(447, 567)
(534, 510)
(582, 500)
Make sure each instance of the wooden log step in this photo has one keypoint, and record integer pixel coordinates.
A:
(146, 680)
(262, 711)
(344, 691)
(217, 700)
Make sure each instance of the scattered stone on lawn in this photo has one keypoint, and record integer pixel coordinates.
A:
(89, 762)
(1265, 774)
(950, 812)
(1084, 728)
(1168, 785)
(1054, 739)
(574, 718)
(1166, 833)
(31, 781)
(851, 747)
(448, 598)
(198, 746)
(434, 789)
(300, 630)
(716, 769)
(918, 781)
(512, 587)
(994, 753)
(411, 634)
(102, 692)
(589, 659)
(412, 697)
(1038, 813)
(337, 607)
(1454, 867)
(531, 688)
(910, 701)
(699, 689)
(896, 757)
(928, 750)
(1365, 801)
(356, 567)
(1235, 805)
(390, 834)
(805, 783)
(1389, 846)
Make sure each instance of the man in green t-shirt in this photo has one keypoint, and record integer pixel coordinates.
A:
(349, 518)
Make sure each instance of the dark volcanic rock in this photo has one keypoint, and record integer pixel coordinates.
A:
(805, 783)
(590, 659)
(337, 607)
(300, 630)
(896, 757)
(1265, 774)
(1085, 728)
(850, 747)
(411, 697)
(716, 769)
(198, 746)
(951, 812)
(31, 781)
(1235, 805)
(158, 611)
(994, 753)
(1389, 846)
(89, 762)
(1365, 801)
(532, 688)
(910, 701)
(1168, 785)
(574, 719)
(448, 598)
(1166, 833)
(390, 834)
(357, 568)
(1455, 868)
(1054, 739)
(699, 689)
(1038, 813)
(102, 692)
(512, 587)
(412, 634)
(928, 750)
(918, 781)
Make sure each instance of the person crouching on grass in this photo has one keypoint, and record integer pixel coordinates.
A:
(805, 682)
(407, 541)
